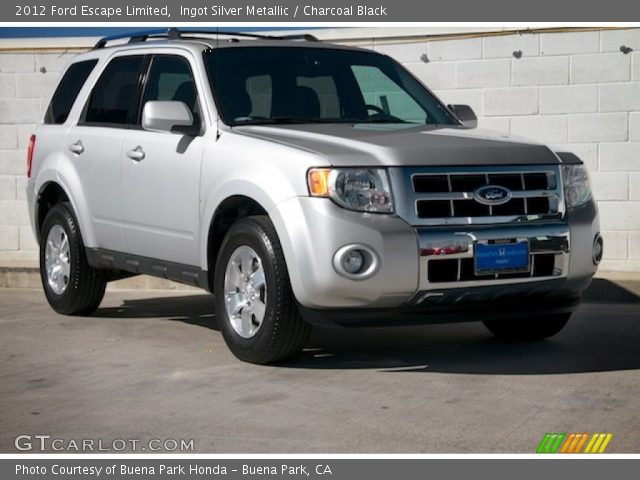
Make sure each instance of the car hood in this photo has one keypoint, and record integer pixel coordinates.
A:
(404, 145)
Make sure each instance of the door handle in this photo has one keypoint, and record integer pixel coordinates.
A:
(136, 154)
(77, 147)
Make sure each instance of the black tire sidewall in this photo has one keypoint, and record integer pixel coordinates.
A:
(62, 215)
(249, 233)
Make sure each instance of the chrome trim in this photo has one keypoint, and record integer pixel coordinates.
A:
(407, 199)
(545, 238)
(471, 196)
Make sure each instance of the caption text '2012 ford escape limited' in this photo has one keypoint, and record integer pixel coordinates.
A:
(303, 183)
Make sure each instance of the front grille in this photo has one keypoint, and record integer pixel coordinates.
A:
(448, 197)
(462, 269)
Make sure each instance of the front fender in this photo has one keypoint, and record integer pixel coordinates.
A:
(266, 172)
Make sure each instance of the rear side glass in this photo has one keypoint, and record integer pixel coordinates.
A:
(112, 99)
(65, 95)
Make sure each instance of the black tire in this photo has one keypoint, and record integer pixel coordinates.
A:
(528, 329)
(86, 285)
(283, 333)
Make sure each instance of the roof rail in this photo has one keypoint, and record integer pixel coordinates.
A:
(298, 36)
(133, 37)
(177, 33)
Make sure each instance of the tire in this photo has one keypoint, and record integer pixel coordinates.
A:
(82, 287)
(528, 329)
(258, 319)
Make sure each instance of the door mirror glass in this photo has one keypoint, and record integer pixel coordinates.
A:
(168, 116)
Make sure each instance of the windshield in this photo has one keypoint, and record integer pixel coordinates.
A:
(275, 85)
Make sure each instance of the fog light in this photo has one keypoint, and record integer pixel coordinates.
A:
(598, 249)
(356, 261)
(353, 261)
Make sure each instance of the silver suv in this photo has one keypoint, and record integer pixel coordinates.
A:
(304, 183)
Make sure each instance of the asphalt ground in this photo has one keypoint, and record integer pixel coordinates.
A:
(151, 365)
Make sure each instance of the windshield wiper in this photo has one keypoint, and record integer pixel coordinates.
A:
(383, 120)
(303, 120)
(280, 121)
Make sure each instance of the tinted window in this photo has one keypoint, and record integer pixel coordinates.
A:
(321, 92)
(260, 92)
(262, 85)
(67, 91)
(382, 94)
(170, 78)
(112, 99)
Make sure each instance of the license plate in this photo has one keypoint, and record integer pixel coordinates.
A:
(501, 256)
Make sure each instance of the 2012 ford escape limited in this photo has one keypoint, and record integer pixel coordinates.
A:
(303, 183)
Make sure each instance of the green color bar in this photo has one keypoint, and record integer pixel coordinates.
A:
(551, 442)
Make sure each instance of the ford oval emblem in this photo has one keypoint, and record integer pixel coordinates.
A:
(492, 195)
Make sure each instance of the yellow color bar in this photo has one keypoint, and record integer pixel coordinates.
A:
(598, 443)
(590, 444)
(606, 441)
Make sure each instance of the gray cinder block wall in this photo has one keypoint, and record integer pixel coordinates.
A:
(574, 90)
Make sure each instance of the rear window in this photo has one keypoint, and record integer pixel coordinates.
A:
(112, 100)
(67, 91)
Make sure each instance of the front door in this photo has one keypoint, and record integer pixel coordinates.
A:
(161, 172)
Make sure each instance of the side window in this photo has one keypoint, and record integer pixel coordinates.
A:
(381, 91)
(111, 101)
(170, 78)
(65, 95)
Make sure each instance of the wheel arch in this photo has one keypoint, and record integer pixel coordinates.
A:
(226, 214)
(50, 194)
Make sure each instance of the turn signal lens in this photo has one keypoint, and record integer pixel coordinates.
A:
(319, 182)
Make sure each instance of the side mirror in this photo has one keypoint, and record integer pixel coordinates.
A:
(168, 116)
(465, 114)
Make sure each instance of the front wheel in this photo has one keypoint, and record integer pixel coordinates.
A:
(254, 303)
(71, 285)
(528, 329)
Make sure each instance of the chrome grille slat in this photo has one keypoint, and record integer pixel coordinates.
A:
(486, 179)
(526, 202)
(469, 195)
(451, 211)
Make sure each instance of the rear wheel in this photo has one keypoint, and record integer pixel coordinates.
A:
(254, 302)
(528, 329)
(71, 285)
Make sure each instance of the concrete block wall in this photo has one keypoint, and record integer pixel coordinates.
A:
(27, 80)
(574, 90)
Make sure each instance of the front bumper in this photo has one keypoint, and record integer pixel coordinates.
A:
(456, 305)
(312, 230)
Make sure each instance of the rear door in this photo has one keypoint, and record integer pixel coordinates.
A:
(161, 171)
(96, 144)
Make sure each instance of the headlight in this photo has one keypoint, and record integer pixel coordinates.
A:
(577, 190)
(361, 189)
